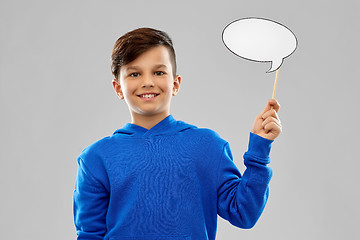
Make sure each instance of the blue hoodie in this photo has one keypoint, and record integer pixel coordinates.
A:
(167, 183)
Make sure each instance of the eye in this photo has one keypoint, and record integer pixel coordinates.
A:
(134, 74)
(159, 73)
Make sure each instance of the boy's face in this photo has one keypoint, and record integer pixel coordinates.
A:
(150, 73)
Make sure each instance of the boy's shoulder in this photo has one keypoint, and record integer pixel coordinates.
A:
(207, 134)
(97, 147)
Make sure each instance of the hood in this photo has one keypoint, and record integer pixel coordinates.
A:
(166, 126)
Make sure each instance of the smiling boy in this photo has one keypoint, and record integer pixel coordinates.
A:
(160, 178)
(147, 85)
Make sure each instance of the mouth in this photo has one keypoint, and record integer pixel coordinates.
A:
(148, 95)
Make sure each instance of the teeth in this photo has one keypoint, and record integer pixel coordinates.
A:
(148, 95)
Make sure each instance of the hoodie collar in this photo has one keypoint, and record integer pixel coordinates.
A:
(165, 126)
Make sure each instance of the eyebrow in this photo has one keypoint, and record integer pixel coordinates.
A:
(160, 66)
(136, 67)
(131, 68)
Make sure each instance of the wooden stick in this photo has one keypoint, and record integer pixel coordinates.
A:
(276, 78)
(274, 90)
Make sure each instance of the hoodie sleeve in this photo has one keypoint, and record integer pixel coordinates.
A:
(241, 199)
(90, 203)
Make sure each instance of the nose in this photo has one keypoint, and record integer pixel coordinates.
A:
(148, 81)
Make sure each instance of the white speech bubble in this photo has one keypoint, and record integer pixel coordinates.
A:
(260, 40)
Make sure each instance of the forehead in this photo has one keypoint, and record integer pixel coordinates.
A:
(154, 57)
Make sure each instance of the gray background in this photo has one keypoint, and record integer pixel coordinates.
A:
(56, 98)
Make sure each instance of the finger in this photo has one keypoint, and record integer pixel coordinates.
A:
(271, 113)
(271, 104)
(271, 119)
(266, 109)
(274, 104)
(272, 127)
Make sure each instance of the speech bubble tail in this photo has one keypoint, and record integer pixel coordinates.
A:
(275, 65)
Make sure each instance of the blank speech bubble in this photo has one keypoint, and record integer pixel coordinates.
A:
(260, 40)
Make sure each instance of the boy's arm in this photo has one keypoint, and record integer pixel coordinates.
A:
(90, 203)
(241, 199)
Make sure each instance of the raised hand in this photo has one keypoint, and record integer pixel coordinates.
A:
(267, 124)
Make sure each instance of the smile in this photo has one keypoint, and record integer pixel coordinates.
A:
(148, 96)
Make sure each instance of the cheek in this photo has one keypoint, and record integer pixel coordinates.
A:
(129, 88)
(167, 86)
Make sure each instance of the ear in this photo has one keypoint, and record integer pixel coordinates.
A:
(177, 82)
(117, 88)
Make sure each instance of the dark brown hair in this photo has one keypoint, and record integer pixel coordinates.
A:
(132, 44)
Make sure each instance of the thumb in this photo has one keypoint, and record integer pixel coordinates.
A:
(267, 108)
(271, 104)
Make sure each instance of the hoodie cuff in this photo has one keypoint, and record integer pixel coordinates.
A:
(259, 147)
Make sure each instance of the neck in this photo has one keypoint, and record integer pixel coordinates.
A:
(148, 121)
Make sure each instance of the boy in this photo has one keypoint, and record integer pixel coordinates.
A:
(158, 178)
